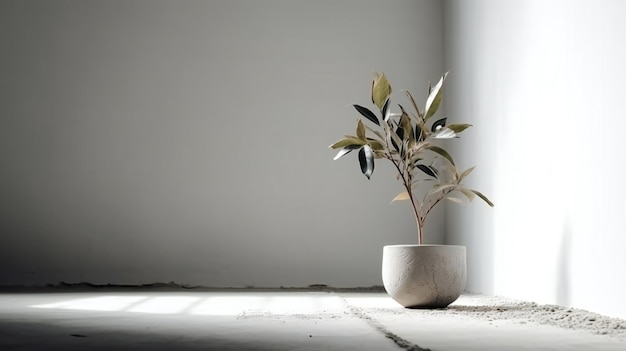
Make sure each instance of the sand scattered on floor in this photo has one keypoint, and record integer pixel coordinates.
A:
(498, 308)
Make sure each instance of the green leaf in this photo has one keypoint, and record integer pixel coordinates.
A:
(360, 130)
(458, 128)
(381, 90)
(348, 141)
(378, 133)
(418, 133)
(482, 197)
(365, 112)
(434, 99)
(366, 160)
(403, 112)
(375, 144)
(428, 170)
(441, 152)
(385, 110)
(417, 110)
(405, 122)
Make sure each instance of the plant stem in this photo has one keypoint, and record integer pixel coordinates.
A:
(418, 221)
(441, 197)
(406, 181)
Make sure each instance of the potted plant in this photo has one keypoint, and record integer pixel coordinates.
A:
(426, 276)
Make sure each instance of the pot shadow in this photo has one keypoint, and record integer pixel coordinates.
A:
(478, 309)
(486, 309)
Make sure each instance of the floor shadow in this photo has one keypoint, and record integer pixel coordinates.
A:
(487, 309)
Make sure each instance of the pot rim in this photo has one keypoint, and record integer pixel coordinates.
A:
(423, 245)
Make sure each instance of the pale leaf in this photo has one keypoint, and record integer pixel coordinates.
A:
(466, 173)
(402, 196)
(342, 153)
(444, 133)
(483, 197)
(456, 200)
(468, 193)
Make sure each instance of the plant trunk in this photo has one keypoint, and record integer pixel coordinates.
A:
(418, 222)
(420, 230)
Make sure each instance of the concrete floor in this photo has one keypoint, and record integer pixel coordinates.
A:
(278, 320)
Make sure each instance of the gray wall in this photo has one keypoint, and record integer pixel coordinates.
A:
(186, 141)
(543, 82)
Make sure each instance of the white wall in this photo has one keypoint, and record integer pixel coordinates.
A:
(186, 141)
(543, 82)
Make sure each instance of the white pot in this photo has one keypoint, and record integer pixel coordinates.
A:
(424, 276)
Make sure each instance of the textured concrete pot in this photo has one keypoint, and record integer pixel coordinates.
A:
(424, 276)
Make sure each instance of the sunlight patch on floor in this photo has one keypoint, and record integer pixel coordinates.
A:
(373, 302)
(165, 304)
(222, 305)
(99, 303)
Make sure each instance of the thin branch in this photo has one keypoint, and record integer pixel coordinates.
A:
(443, 195)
